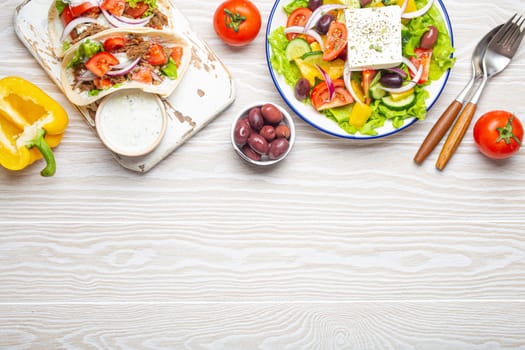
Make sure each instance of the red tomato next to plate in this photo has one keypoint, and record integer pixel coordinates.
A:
(237, 22)
(498, 134)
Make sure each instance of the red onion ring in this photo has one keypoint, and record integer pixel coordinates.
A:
(319, 12)
(419, 12)
(301, 30)
(410, 84)
(329, 83)
(397, 70)
(71, 25)
(116, 22)
(348, 83)
(137, 21)
(124, 70)
(404, 6)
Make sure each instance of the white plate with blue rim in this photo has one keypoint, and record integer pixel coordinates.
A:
(318, 120)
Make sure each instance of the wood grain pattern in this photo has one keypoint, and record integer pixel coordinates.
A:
(359, 326)
(345, 245)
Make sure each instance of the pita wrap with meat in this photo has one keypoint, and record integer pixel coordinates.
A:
(147, 59)
(70, 21)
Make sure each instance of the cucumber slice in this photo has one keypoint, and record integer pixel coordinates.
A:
(376, 92)
(400, 105)
(296, 48)
(313, 57)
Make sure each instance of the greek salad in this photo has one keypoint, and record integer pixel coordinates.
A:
(362, 84)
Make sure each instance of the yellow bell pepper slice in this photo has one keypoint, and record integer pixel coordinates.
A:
(31, 122)
(360, 114)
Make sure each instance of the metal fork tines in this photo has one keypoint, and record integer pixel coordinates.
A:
(508, 39)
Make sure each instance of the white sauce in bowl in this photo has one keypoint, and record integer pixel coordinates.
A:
(131, 122)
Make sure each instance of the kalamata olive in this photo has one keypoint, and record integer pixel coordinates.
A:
(428, 40)
(324, 22)
(268, 132)
(314, 4)
(364, 2)
(258, 143)
(302, 89)
(271, 114)
(250, 153)
(391, 80)
(256, 119)
(282, 131)
(278, 147)
(242, 131)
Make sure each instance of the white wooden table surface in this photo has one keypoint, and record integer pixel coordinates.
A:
(345, 245)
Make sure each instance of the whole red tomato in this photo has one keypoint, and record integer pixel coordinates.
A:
(237, 22)
(498, 134)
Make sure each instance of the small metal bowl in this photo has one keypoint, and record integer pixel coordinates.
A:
(265, 160)
(131, 122)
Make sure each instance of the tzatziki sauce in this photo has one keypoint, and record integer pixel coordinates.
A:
(131, 122)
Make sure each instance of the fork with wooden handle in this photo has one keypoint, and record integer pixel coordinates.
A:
(444, 122)
(499, 53)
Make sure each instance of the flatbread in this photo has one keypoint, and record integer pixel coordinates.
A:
(56, 27)
(163, 88)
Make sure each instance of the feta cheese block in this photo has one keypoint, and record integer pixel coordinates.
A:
(374, 37)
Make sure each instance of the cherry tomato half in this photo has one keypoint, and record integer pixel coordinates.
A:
(83, 7)
(298, 17)
(237, 22)
(114, 43)
(115, 7)
(143, 75)
(320, 95)
(156, 55)
(101, 63)
(336, 39)
(66, 16)
(176, 55)
(423, 59)
(498, 134)
(137, 11)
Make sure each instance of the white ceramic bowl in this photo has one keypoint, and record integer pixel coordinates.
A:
(265, 160)
(131, 123)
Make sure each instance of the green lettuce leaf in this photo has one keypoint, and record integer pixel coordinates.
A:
(85, 51)
(295, 4)
(278, 60)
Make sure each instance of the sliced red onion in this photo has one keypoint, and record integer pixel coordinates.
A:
(319, 12)
(409, 64)
(348, 83)
(329, 83)
(317, 37)
(116, 22)
(86, 76)
(397, 70)
(124, 70)
(301, 30)
(419, 12)
(71, 25)
(404, 6)
(136, 21)
(294, 30)
(155, 76)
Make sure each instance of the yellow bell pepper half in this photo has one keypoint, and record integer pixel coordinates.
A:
(31, 122)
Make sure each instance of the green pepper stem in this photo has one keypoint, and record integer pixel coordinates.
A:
(40, 143)
(233, 20)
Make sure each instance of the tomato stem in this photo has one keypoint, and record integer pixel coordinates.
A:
(506, 133)
(233, 20)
